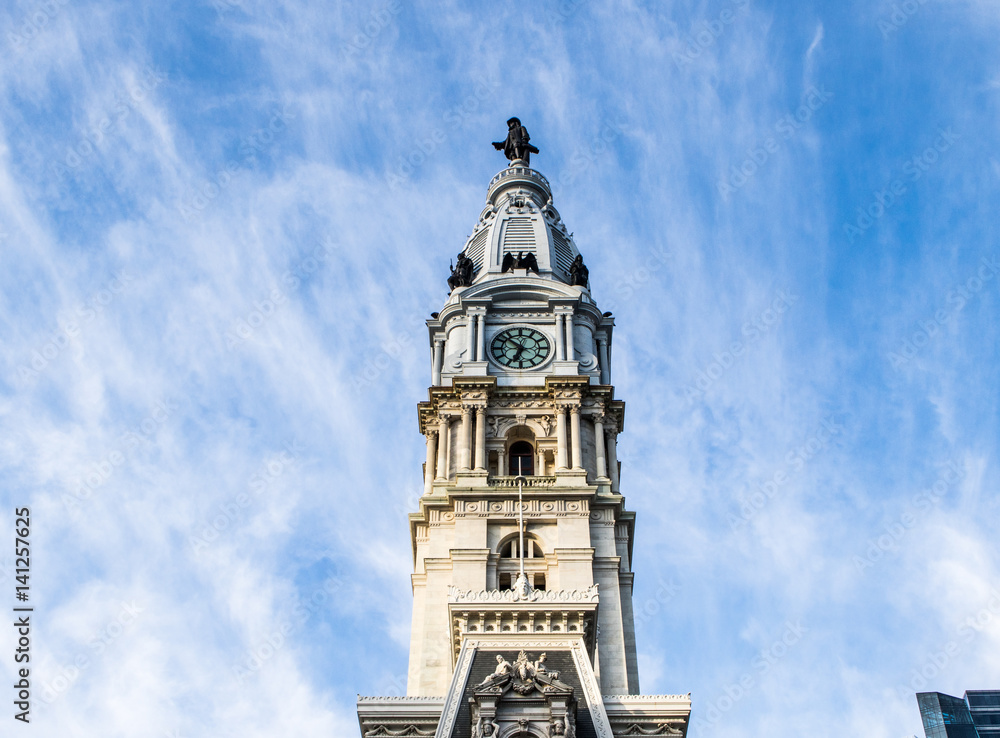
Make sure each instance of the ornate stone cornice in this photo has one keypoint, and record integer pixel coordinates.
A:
(643, 729)
(559, 391)
(639, 699)
(410, 731)
(396, 716)
(563, 596)
(648, 714)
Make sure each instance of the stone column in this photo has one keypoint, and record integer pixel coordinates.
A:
(449, 453)
(602, 354)
(502, 462)
(442, 450)
(574, 417)
(480, 439)
(438, 362)
(432, 436)
(464, 440)
(480, 337)
(470, 327)
(560, 338)
(540, 464)
(560, 438)
(602, 464)
(570, 348)
(613, 458)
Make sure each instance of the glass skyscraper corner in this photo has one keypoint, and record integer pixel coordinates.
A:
(984, 705)
(977, 715)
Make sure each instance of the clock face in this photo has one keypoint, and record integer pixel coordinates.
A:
(520, 348)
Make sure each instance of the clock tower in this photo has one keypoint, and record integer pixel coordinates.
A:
(522, 545)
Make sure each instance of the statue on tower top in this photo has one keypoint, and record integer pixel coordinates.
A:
(517, 145)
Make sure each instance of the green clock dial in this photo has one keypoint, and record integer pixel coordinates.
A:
(520, 348)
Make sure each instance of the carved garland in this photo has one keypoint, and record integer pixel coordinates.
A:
(409, 730)
(658, 729)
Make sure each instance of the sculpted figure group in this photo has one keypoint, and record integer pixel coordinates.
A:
(523, 672)
(463, 272)
(524, 677)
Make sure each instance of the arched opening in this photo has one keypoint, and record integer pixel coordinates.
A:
(521, 459)
(508, 565)
(512, 549)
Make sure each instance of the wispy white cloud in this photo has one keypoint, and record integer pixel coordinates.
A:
(276, 280)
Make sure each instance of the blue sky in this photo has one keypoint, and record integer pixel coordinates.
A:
(222, 225)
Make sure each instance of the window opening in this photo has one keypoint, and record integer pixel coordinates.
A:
(522, 452)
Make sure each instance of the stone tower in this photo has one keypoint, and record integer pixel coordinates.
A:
(522, 582)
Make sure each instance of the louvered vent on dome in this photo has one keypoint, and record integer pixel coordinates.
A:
(477, 247)
(518, 235)
(564, 252)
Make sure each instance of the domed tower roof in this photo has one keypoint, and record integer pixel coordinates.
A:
(520, 220)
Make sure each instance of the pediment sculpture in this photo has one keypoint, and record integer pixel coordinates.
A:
(523, 676)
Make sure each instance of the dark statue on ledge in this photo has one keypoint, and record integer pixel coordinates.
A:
(528, 262)
(578, 273)
(516, 146)
(462, 272)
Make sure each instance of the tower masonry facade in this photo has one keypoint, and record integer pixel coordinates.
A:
(522, 582)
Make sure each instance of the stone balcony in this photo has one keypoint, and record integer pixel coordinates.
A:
(529, 482)
(518, 176)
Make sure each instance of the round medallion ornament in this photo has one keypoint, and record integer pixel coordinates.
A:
(520, 348)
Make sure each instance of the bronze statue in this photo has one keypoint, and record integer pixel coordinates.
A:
(528, 262)
(462, 273)
(578, 273)
(516, 146)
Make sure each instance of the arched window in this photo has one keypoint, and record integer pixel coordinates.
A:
(512, 549)
(508, 563)
(522, 453)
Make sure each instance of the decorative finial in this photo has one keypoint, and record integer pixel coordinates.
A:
(516, 146)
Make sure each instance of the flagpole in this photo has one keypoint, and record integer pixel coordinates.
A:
(520, 511)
